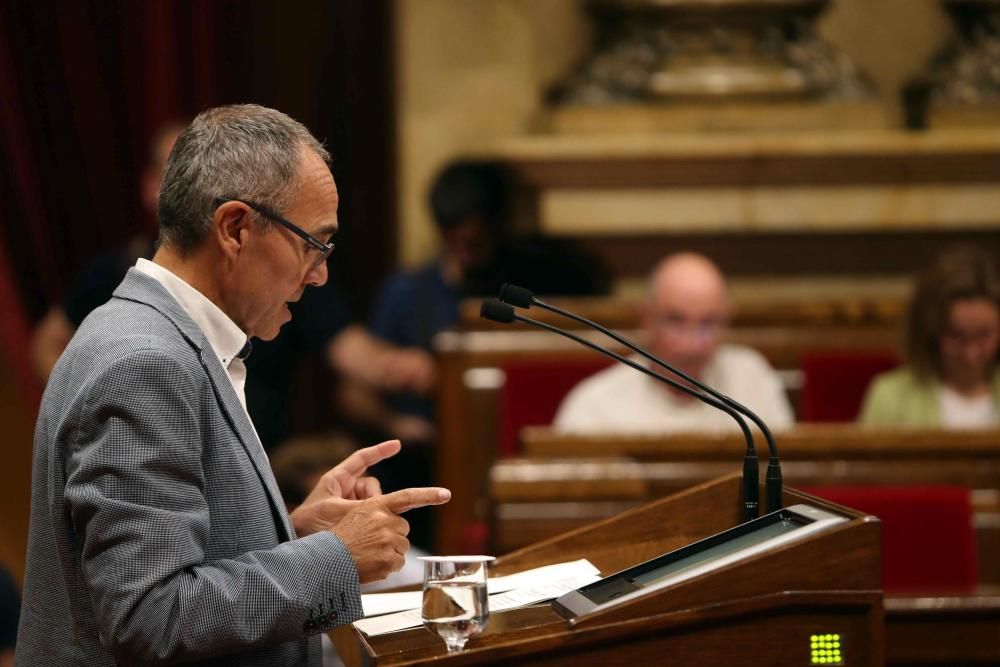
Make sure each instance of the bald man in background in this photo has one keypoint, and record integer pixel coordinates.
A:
(684, 315)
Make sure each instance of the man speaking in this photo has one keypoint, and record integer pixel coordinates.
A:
(158, 533)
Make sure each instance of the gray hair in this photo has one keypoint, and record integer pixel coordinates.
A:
(241, 151)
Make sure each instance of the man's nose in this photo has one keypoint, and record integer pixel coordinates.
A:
(692, 344)
(317, 275)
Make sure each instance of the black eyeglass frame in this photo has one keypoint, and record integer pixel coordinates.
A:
(324, 248)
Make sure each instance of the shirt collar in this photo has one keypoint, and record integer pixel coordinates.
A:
(225, 337)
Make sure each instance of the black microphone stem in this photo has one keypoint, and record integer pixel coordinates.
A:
(751, 502)
(773, 478)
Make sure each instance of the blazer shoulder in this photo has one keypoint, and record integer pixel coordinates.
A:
(122, 329)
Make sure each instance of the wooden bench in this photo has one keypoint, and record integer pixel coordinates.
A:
(471, 379)
(764, 311)
(564, 481)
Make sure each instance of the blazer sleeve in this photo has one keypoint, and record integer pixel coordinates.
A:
(136, 496)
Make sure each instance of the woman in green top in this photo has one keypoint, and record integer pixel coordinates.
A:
(950, 379)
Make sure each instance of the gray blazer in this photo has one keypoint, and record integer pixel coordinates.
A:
(158, 533)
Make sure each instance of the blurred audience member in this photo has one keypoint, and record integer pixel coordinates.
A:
(322, 326)
(94, 285)
(685, 312)
(952, 340)
(469, 202)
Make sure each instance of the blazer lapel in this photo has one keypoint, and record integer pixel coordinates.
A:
(137, 286)
(233, 409)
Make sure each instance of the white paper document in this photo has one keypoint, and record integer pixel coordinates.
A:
(377, 604)
(515, 590)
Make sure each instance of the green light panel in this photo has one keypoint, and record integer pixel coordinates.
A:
(826, 649)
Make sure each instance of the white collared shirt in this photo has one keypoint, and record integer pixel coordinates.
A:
(225, 337)
(622, 400)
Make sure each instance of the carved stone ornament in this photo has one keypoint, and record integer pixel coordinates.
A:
(968, 71)
(662, 51)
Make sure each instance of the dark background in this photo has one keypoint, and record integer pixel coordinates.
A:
(85, 83)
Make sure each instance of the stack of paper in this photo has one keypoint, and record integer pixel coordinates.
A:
(389, 612)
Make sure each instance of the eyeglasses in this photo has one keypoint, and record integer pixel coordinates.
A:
(977, 337)
(324, 249)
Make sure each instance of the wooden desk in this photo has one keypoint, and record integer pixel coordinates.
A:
(803, 442)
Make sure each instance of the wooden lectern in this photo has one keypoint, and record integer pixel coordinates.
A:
(759, 611)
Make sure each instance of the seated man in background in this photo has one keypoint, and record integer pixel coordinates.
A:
(685, 312)
(950, 378)
(93, 286)
(470, 201)
(322, 331)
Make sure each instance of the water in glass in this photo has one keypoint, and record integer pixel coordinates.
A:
(455, 603)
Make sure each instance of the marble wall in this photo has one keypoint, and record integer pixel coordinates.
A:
(471, 73)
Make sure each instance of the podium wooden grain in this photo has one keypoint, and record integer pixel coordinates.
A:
(759, 611)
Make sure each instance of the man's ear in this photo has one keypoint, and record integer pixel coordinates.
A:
(230, 227)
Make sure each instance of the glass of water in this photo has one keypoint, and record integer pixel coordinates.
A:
(455, 600)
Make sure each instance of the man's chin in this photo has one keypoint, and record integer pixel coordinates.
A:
(270, 333)
(697, 371)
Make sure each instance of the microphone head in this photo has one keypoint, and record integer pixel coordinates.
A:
(516, 296)
(496, 311)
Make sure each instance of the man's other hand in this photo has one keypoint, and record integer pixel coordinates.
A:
(339, 489)
(345, 481)
(375, 534)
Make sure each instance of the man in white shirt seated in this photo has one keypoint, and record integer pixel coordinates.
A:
(684, 314)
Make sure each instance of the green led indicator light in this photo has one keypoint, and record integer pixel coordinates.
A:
(825, 649)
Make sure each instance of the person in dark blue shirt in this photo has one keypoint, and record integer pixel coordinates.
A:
(469, 203)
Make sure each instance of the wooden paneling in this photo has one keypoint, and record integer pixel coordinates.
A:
(568, 480)
(818, 203)
(783, 254)
(871, 310)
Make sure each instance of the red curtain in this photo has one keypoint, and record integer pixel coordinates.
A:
(84, 84)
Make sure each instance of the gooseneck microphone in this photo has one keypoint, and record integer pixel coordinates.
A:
(524, 298)
(505, 314)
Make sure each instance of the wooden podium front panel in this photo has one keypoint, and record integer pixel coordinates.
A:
(759, 611)
(760, 631)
